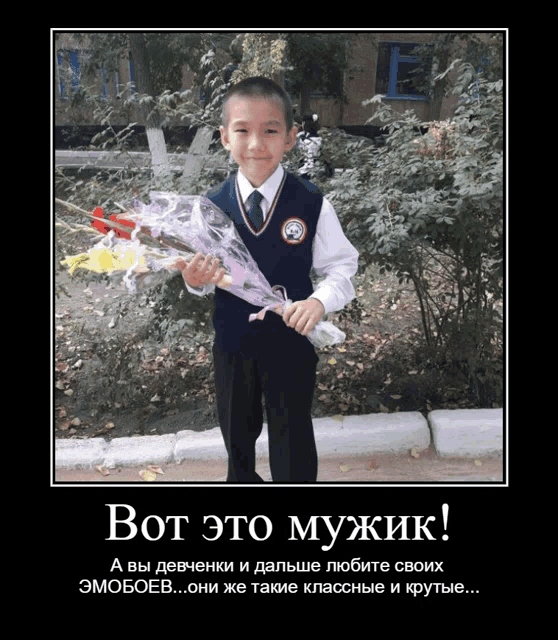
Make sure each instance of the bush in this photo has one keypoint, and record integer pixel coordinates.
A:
(429, 206)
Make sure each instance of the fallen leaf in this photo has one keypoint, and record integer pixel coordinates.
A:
(341, 349)
(147, 475)
(332, 361)
(339, 418)
(478, 463)
(102, 470)
(372, 465)
(155, 469)
(383, 409)
(344, 468)
(414, 452)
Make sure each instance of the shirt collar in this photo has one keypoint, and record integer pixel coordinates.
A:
(268, 189)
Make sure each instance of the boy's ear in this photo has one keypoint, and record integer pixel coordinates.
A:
(291, 139)
(224, 137)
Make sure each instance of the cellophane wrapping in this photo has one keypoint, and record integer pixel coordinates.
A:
(182, 225)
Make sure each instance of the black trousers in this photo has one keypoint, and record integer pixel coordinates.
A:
(283, 371)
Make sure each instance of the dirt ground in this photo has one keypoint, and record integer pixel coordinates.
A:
(374, 468)
(172, 388)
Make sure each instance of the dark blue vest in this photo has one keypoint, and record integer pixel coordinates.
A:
(282, 250)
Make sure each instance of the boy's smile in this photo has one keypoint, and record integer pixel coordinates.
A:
(256, 135)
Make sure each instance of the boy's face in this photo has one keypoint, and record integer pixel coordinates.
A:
(256, 135)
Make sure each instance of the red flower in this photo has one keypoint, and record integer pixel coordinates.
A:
(115, 217)
(97, 224)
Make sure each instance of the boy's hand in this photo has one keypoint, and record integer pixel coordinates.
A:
(200, 271)
(304, 315)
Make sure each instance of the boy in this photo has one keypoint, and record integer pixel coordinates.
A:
(292, 229)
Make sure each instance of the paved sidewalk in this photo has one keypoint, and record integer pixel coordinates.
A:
(471, 433)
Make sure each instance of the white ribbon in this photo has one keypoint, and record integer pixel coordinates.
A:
(281, 297)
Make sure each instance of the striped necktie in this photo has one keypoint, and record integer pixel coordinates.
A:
(253, 210)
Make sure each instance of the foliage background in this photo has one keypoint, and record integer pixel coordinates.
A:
(426, 209)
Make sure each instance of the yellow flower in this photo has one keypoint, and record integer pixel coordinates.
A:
(103, 260)
(75, 261)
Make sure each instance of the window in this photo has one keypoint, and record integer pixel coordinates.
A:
(71, 67)
(397, 74)
(67, 72)
(104, 83)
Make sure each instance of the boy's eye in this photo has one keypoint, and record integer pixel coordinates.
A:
(271, 131)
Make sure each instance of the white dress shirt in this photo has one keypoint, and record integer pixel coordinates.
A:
(334, 258)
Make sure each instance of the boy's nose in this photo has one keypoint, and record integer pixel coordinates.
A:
(256, 142)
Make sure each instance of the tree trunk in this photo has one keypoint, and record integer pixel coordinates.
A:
(439, 65)
(305, 105)
(149, 114)
(196, 157)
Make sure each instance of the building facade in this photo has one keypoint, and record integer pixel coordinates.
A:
(379, 63)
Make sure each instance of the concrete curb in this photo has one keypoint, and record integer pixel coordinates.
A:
(474, 432)
(456, 432)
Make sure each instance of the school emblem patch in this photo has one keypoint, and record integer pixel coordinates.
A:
(294, 230)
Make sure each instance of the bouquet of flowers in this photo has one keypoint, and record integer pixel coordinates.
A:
(174, 227)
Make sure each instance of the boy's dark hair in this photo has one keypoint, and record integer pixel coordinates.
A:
(260, 87)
